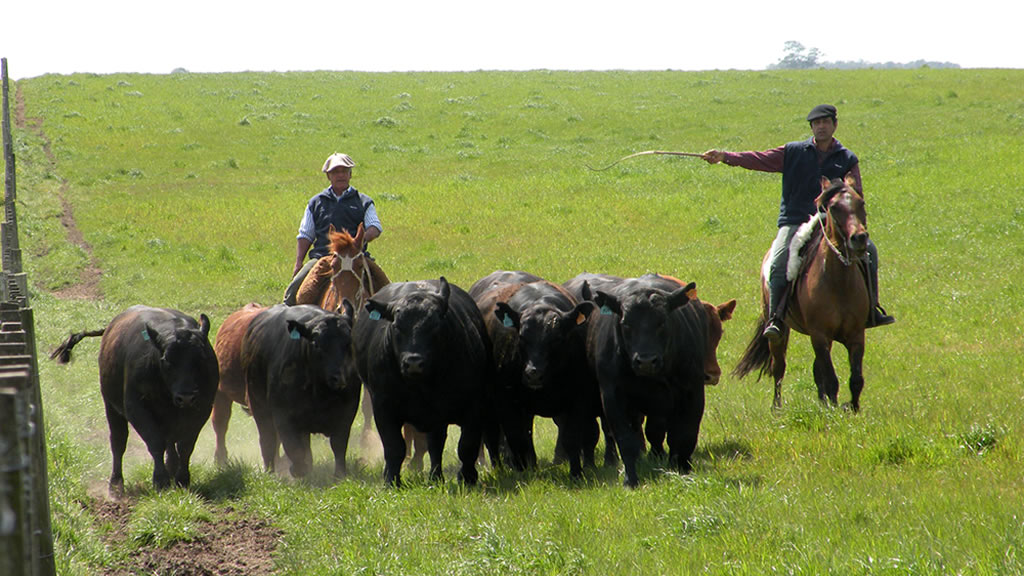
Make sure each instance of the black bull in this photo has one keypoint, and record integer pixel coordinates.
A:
(648, 346)
(537, 330)
(423, 353)
(301, 379)
(159, 373)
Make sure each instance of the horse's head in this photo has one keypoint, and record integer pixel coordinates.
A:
(845, 215)
(347, 267)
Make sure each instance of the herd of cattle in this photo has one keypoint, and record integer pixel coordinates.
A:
(632, 353)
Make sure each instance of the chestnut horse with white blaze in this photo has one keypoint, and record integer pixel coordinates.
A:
(829, 297)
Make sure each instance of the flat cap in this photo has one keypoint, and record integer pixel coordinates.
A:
(338, 159)
(822, 111)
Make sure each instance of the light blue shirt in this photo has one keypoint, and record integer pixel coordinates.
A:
(308, 231)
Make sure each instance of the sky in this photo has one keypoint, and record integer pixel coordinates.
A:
(110, 36)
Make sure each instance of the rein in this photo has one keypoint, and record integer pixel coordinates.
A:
(845, 260)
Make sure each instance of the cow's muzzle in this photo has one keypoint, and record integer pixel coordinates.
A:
(647, 364)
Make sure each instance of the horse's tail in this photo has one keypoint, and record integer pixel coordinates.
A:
(757, 356)
(63, 352)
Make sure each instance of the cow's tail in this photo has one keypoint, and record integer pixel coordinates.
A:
(63, 352)
(758, 355)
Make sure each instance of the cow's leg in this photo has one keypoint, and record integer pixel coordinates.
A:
(435, 446)
(856, 355)
(518, 427)
(415, 446)
(171, 460)
(611, 450)
(389, 429)
(297, 448)
(572, 430)
(268, 438)
(684, 428)
(156, 441)
(367, 406)
(118, 443)
(470, 438)
(219, 419)
(629, 442)
(184, 450)
(655, 429)
(340, 436)
(824, 372)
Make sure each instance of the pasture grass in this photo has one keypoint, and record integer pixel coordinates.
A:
(188, 189)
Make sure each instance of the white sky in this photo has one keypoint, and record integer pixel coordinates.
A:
(106, 36)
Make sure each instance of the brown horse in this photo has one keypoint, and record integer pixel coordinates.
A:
(347, 273)
(829, 299)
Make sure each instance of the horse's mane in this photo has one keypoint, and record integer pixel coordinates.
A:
(341, 242)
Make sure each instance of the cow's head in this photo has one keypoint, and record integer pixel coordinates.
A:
(184, 356)
(716, 316)
(330, 340)
(417, 330)
(544, 337)
(643, 323)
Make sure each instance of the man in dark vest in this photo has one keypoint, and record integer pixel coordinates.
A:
(339, 205)
(802, 165)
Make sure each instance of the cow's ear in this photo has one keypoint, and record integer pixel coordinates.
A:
(378, 310)
(204, 325)
(607, 304)
(585, 291)
(298, 330)
(446, 293)
(153, 337)
(682, 296)
(725, 310)
(508, 317)
(581, 313)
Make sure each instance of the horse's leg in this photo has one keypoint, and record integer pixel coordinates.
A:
(778, 366)
(856, 354)
(824, 373)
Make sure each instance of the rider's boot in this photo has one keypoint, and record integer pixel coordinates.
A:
(877, 315)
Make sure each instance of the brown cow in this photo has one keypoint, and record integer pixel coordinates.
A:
(232, 378)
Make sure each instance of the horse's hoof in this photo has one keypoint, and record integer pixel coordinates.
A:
(850, 407)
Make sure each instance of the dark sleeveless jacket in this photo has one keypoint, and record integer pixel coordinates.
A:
(345, 213)
(801, 178)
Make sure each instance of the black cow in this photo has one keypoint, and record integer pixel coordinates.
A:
(537, 331)
(423, 353)
(647, 348)
(158, 371)
(301, 379)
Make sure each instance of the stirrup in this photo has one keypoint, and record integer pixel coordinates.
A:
(773, 331)
(879, 317)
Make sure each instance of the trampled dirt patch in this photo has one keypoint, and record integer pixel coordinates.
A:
(233, 545)
(87, 287)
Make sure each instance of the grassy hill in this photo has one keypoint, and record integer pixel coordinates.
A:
(187, 191)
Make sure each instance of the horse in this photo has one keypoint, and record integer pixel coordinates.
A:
(828, 298)
(346, 273)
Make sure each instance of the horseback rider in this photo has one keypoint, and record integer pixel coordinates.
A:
(802, 165)
(345, 208)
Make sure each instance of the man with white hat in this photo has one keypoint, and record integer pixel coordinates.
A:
(339, 205)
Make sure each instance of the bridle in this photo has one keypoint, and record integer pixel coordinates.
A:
(348, 265)
(821, 222)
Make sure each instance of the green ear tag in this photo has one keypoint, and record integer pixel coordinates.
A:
(294, 334)
(374, 314)
(145, 335)
(507, 322)
(606, 310)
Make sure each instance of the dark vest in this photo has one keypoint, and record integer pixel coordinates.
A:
(345, 213)
(801, 178)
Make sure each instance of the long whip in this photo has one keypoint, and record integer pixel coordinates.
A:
(647, 153)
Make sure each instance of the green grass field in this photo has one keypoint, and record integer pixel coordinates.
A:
(189, 188)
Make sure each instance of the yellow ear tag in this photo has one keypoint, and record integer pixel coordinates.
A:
(580, 318)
